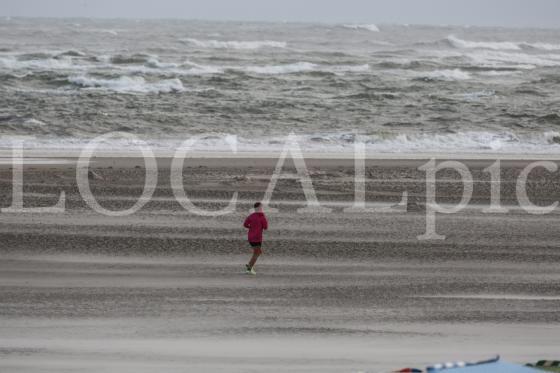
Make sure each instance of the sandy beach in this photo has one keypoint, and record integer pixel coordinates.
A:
(164, 289)
(115, 257)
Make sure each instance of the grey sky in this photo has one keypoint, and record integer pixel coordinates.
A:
(522, 13)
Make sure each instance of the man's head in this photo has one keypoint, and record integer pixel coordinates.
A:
(258, 207)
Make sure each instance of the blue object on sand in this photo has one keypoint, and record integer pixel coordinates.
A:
(497, 367)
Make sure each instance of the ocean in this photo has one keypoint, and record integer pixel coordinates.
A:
(399, 88)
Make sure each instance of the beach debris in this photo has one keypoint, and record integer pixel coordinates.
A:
(491, 365)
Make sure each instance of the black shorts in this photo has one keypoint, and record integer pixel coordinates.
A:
(255, 244)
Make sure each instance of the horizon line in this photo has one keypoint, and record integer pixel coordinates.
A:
(354, 22)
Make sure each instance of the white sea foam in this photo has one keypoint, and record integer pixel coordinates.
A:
(500, 59)
(460, 43)
(172, 69)
(104, 58)
(198, 69)
(472, 141)
(155, 63)
(347, 68)
(218, 44)
(544, 46)
(302, 67)
(282, 69)
(34, 123)
(152, 63)
(512, 59)
(498, 73)
(126, 84)
(499, 45)
(469, 142)
(155, 67)
(47, 64)
(368, 27)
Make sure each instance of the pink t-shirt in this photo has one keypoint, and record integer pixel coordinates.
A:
(257, 223)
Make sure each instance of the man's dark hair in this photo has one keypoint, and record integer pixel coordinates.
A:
(257, 205)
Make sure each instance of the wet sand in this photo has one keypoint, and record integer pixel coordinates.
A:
(164, 289)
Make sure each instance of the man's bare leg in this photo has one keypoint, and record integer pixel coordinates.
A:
(256, 254)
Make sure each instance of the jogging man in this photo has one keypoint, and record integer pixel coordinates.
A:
(256, 223)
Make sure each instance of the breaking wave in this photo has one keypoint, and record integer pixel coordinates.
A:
(543, 46)
(469, 142)
(282, 69)
(34, 123)
(45, 64)
(303, 67)
(192, 68)
(368, 27)
(498, 45)
(154, 66)
(218, 44)
(474, 141)
(501, 59)
(126, 84)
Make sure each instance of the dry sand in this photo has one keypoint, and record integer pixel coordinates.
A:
(164, 290)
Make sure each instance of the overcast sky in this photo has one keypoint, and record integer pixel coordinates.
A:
(522, 13)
